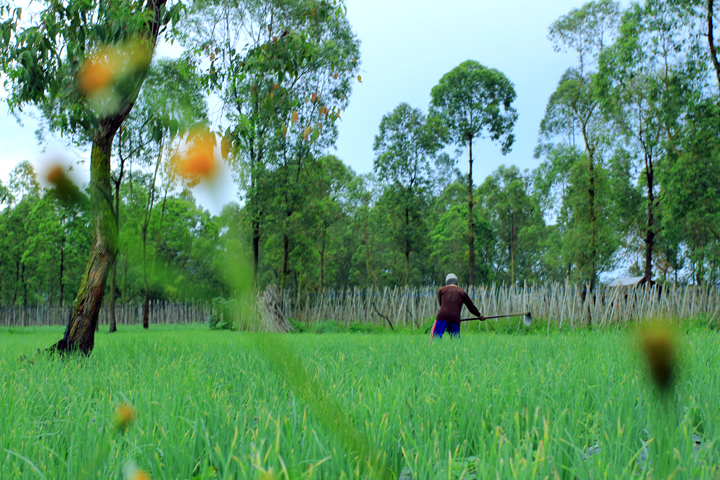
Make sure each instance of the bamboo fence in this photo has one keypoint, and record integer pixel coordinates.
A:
(125, 314)
(564, 306)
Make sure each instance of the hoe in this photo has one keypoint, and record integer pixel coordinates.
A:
(527, 320)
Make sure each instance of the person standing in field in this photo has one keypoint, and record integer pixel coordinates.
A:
(451, 299)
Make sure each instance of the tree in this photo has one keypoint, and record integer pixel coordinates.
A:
(474, 102)
(710, 16)
(170, 106)
(515, 218)
(332, 179)
(573, 111)
(25, 192)
(448, 238)
(645, 81)
(43, 236)
(282, 92)
(83, 64)
(367, 220)
(404, 149)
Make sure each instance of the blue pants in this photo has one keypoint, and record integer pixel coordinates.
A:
(441, 326)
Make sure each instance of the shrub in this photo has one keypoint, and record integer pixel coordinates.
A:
(222, 316)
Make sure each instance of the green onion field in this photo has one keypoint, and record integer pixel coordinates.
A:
(216, 404)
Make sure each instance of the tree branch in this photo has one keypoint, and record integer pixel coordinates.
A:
(711, 40)
(383, 316)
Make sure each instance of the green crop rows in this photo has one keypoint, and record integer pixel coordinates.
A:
(229, 405)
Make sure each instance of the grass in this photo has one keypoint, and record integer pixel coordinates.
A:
(217, 404)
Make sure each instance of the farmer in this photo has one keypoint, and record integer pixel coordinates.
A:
(451, 299)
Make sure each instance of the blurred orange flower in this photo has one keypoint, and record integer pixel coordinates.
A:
(104, 68)
(141, 475)
(198, 162)
(56, 175)
(98, 71)
(124, 416)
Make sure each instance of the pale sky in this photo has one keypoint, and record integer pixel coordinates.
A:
(406, 47)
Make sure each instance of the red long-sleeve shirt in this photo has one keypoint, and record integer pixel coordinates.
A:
(451, 299)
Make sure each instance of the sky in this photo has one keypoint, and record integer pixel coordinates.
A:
(406, 47)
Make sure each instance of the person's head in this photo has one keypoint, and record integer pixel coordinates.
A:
(451, 279)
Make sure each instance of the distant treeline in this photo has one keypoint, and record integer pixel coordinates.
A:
(628, 172)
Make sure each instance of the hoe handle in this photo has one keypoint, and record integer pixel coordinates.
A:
(496, 316)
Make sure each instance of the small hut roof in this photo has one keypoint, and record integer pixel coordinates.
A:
(626, 282)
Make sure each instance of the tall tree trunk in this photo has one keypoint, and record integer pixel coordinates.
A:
(17, 282)
(650, 233)
(512, 266)
(144, 233)
(471, 223)
(113, 274)
(593, 217)
(368, 244)
(256, 155)
(117, 182)
(711, 40)
(407, 246)
(146, 311)
(62, 271)
(24, 284)
(160, 229)
(286, 254)
(80, 331)
(511, 248)
(146, 284)
(322, 266)
(256, 245)
(50, 289)
(125, 281)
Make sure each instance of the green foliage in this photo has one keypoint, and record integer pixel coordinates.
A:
(222, 314)
(283, 93)
(405, 147)
(43, 56)
(44, 242)
(586, 30)
(627, 178)
(473, 100)
(691, 195)
(449, 245)
(517, 222)
(469, 102)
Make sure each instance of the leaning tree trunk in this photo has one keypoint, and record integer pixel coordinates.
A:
(80, 331)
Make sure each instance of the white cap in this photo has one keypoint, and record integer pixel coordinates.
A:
(451, 278)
